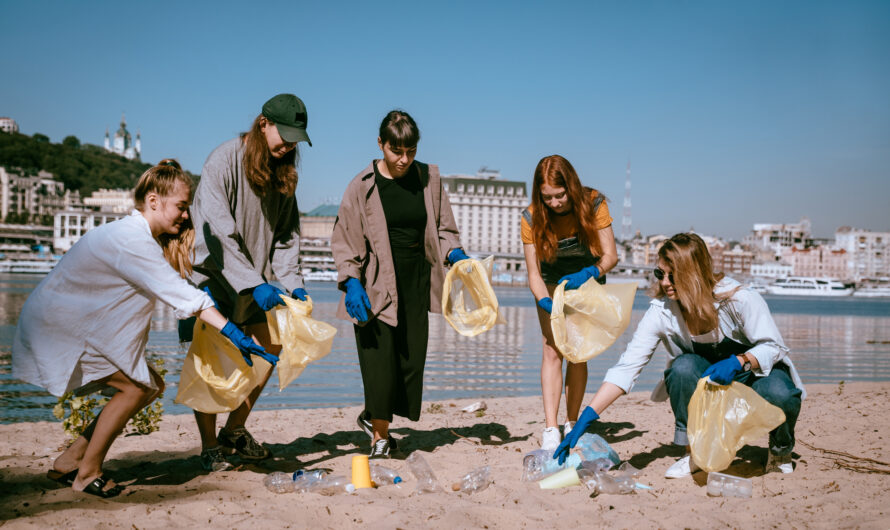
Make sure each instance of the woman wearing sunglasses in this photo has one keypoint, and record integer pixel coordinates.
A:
(710, 326)
(567, 236)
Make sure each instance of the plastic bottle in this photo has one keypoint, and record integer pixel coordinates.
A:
(279, 482)
(600, 464)
(303, 480)
(540, 463)
(383, 475)
(331, 485)
(592, 447)
(476, 480)
(720, 484)
(426, 479)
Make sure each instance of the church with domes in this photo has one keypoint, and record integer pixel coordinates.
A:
(123, 143)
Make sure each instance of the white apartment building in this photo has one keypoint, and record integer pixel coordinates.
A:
(775, 237)
(28, 197)
(771, 269)
(868, 253)
(488, 211)
(8, 125)
(70, 225)
(116, 201)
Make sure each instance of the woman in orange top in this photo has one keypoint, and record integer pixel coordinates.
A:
(567, 236)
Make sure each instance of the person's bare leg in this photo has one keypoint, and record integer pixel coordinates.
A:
(381, 430)
(238, 417)
(551, 371)
(206, 428)
(576, 384)
(131, 396)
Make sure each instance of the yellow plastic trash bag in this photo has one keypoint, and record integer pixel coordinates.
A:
(302, 339)
(724, 418)
(587, 320)
(214, 376)
(468, 301)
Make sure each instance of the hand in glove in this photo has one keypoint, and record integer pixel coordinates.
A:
(723, 372)
(457, 255)
(357, 302)
(300, 294)
(571, 438)
(246, 344)
(267, 296)
(546, 304)
(577, 279)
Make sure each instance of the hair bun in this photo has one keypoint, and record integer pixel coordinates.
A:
(170, 162)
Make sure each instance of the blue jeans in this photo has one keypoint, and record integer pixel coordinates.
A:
(777, 388)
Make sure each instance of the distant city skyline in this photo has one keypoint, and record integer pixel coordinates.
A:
(731, 113)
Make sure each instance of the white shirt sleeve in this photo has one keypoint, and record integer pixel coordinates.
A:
(639, 351)
(757, 325)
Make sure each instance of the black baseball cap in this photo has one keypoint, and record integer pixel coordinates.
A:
(288, 113)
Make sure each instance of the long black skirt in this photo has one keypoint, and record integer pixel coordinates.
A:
(392, 358)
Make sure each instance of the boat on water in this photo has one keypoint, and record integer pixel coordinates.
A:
(808, 286)
(872, 292)
(37, 266)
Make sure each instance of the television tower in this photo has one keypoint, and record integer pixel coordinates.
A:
(626, 224)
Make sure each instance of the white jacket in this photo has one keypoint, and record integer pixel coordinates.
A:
(744, 318)
(99, 299)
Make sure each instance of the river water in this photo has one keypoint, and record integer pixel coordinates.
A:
(831, 340)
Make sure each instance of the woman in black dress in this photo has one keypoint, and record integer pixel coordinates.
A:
(394, 234)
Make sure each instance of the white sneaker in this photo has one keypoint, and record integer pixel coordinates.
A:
(778, 463)
(551, 439)
(567, 428)
(683, 467)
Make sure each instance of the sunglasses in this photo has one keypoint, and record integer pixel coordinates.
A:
(659, 275)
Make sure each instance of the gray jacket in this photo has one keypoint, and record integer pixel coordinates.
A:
(241, 237)
(361, 248)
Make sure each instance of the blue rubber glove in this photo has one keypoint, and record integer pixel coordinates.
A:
(546, 304)
(577, 279)
(300, 294)
(357, 303)
(267, 296)
(246, 344)
(723, 372)
(571, 438)
(457, 255)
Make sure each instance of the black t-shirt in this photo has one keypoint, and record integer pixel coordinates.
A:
(403, 207)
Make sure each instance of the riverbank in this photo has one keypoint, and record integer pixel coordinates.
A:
(167, 488)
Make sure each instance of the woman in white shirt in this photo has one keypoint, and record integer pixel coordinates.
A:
(85, 326)
(710, 326)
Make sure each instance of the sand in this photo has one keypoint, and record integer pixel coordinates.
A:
(167, 488)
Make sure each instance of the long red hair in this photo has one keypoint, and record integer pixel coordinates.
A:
(556, 171)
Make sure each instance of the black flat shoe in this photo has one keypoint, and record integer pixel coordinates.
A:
(97, 488)
(66, 479)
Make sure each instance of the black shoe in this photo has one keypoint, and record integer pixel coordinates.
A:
(213, 460)
(243, 443)
(393, 445)
(364, 423)
(380, 449)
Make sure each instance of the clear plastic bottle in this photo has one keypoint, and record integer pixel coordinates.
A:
(331, 485)
(303, 480)
(426, 479)
(720, 484)
(383, 475)
(279, 482)
(476, 480)
(540, 463)
(592, 447)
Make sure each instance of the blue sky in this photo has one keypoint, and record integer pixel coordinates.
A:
(732, 113)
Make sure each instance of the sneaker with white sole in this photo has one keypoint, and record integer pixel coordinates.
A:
(550, 439)
(364, 423)
(380, 449)
(779, 463)
(567, 428)
(683, 467)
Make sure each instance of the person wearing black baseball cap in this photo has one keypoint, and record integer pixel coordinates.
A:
(247, 231)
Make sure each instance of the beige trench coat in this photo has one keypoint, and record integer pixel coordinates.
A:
(360, 243)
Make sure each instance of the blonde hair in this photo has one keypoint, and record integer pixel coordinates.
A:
(179, 249)
(694, 278)
(261, 169)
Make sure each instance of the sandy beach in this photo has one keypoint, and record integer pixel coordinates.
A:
(841, 475)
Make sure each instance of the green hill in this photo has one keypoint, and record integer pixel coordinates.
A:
(81, 167)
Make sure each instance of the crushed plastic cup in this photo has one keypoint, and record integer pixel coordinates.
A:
(426, 479)
(476, 480)
(279, 482)
(563, 479)
(723, 485)
(540, 463)
(479, 405)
